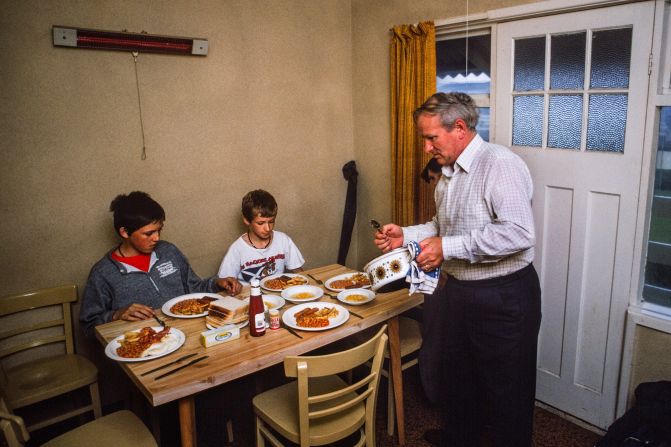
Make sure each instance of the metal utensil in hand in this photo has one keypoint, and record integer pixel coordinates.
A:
(376, 225)
(161, 322)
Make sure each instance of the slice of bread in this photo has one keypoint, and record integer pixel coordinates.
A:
(226, 310)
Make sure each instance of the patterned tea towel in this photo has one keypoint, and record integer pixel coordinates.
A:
(420, 281)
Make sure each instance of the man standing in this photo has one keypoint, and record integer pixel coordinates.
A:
(483, 334)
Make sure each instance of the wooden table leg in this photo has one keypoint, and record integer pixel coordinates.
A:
(396, 375)
(187, 421)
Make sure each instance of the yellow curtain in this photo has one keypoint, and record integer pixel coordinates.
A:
(413, 80)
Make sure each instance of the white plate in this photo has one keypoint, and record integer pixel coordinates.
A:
(289, 320)
(290, 292)
(369, 294)
(170, 343)
(239, 325)
(268, 278)
(329, 281)
(168, 304)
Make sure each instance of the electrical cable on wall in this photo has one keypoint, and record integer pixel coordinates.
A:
(139, 105)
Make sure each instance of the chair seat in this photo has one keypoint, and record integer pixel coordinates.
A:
(279, 408)
(45, 378)
(118, 429)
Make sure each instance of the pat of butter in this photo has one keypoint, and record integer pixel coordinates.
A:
(219, 335)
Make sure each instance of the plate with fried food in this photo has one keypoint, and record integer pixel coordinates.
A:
(144, 344)
(191, 305)
(357, 280)
(280, 281)
(356, 297)
(317, 316)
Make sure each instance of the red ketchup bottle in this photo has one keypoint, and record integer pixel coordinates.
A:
(257, 319)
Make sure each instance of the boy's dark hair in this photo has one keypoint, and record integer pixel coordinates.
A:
(135, 210)
(432, 166)
(258, 203)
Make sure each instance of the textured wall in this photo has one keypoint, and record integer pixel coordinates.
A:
(269, 107)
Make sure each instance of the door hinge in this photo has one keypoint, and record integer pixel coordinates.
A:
(649, 64)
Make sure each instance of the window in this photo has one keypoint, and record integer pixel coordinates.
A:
(463, 65)
(601, 96)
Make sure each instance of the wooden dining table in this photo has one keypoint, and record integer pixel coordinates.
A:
(246, 355)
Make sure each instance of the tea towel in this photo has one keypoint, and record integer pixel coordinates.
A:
(420, 281)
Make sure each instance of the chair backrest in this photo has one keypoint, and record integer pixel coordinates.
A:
(36, 319)
(334, 402)
(12, 427)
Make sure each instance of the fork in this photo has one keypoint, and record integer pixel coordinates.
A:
(159, 321)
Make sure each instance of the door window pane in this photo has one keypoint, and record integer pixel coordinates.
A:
(528, 121)
(606, 122)
(483, 123)
(529, 64)
(611, 53)
(567, 63)
(565, 120)
(657, 285)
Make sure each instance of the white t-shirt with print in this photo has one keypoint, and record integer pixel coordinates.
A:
(242, 261)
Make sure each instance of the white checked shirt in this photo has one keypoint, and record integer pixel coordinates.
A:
(483, 213)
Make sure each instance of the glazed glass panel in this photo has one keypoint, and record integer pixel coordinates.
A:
(567, 61)
(565, 121)
(606, 122)
(528, 121)
(483, 123)
(529, 64)
(611, 55)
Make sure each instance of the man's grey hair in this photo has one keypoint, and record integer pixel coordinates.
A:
(450, 107)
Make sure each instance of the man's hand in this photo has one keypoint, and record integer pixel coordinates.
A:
(390, 238)
(432, 253)
(230, 285)
(134, 312)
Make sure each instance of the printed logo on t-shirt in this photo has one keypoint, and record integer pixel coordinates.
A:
(251, 268)
(166, 269)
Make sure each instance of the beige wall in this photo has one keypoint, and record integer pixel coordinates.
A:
(651, 359)
(269, 107)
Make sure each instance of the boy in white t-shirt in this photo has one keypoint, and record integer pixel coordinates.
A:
(260, 244)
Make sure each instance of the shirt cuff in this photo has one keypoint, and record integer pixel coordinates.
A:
(453, 247)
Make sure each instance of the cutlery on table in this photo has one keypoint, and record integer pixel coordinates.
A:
(355, 314)
(293, 332)
(192, 362)
(161, 322)
(182, 358)
(318, 281)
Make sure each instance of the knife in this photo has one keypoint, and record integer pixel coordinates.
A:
(161, 322)
(184, 357)
(318, 281)
(192, 362)
(293, 332)
(355, 314)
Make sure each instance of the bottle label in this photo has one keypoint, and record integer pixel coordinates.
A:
(259, 322)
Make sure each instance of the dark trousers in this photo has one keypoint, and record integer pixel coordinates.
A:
(489, 339)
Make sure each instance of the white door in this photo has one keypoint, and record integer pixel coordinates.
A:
(571, 100)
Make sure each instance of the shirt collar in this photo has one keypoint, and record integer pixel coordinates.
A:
(468, 156)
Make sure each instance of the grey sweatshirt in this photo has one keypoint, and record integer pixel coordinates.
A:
(113, 285)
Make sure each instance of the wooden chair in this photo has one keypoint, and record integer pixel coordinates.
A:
(320, 407)
(410, 335)
(32, 368)
(120, 429)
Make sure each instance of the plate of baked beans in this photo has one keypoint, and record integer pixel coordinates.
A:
(144, 344)
(356, 280)
(191, 305)
(315, 316)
